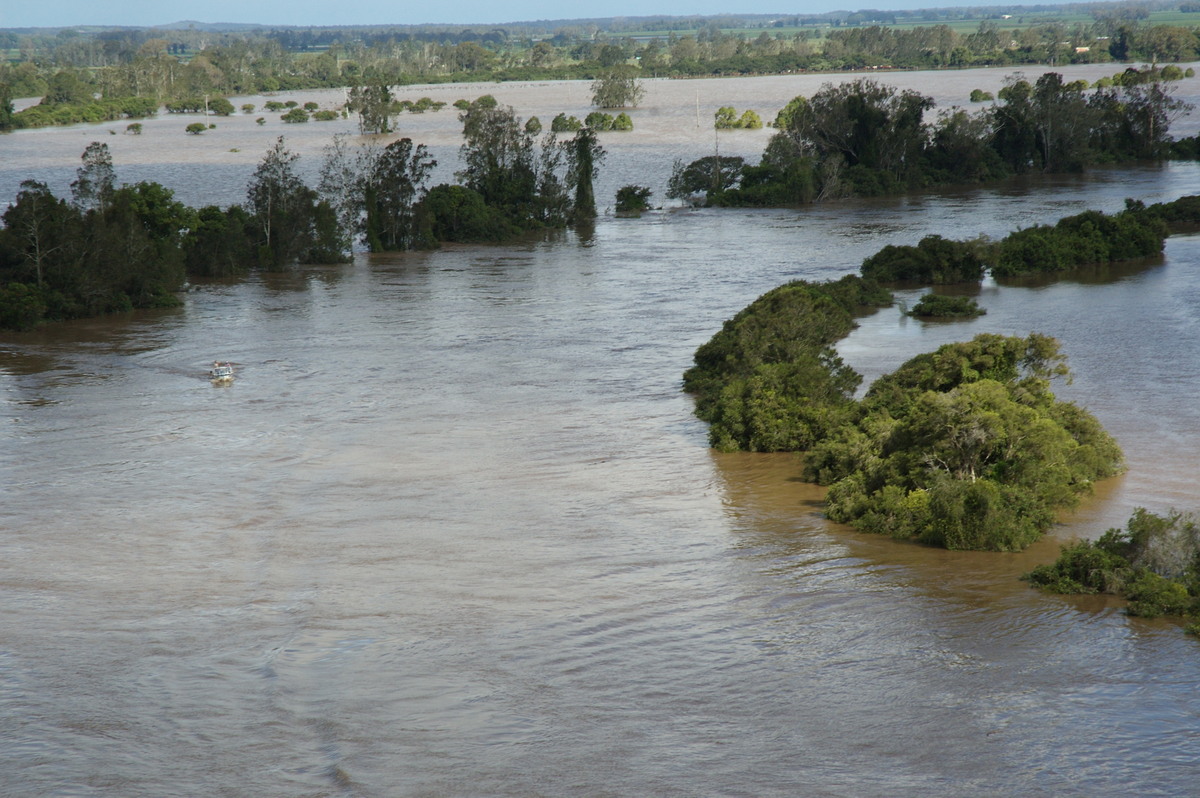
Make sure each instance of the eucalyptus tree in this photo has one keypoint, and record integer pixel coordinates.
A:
(341, 177)
(7, 110)
(1063, 122)
(95, 179)
(584, 155)
(38, 228)
(292, 223)
(618, 87)
(864, 123)
(373, 104)
(391, 193)
(498, 155)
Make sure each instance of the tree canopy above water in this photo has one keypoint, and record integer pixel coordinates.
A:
(965, 447)
(866, 138)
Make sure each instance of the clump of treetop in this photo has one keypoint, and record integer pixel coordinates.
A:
(1090, 238)
(1154, 563)
(940, 306)
(965, 448)
(864, 138)
(1087, 239)
(770, 380)
(114, 248)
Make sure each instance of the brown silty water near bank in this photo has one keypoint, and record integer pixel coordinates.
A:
(453, 530)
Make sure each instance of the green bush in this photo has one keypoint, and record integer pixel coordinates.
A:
(22, 306)
(632, 199)
(1154, 563)
(1082, 567)
(598, 121)
(1151, 595)
(565, 124)
(750, 120)
(964, 447)
(725, 118)
(939, 306)
(1085, 239)
(935, 260)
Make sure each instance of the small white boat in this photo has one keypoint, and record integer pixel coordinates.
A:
(221, 372)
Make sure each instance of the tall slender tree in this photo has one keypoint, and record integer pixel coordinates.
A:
(583, 162)
(95, 180)
(391, 193)
(293, 224)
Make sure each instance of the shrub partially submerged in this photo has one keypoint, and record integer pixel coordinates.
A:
(1154, 563)
(939, 306)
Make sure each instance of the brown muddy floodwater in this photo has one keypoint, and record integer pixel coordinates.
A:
(453, 530)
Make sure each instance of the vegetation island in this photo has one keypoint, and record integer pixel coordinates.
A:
(965, 447)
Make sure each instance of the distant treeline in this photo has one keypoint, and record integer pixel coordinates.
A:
(78, 66)
(111, 248)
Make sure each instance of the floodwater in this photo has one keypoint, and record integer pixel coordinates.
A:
(453, 530)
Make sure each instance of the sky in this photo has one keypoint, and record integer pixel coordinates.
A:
(146, 13)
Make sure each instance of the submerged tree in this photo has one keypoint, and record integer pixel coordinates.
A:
(513, 174)
(619, 87)
(965, 448)
(95, 180)
(7, 111)
(373, 104)
(341, 178)
(276, 198)
(865, 124)
(391, 193)
(584, 156)
(38, 227)
(292, 222)
(1154, 562)
(58, 261)
(632, 199)
(710, 175)
(498, 155)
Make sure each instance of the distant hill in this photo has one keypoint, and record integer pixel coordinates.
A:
(214, 27)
